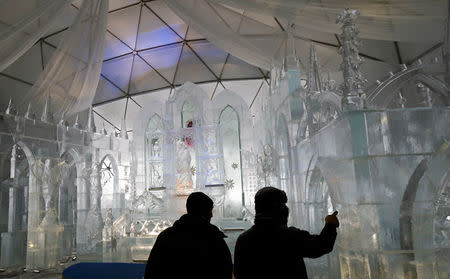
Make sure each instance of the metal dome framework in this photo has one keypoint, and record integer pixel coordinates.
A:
(149, 50)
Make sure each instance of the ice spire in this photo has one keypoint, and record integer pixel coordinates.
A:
(77, 125)
(291, 68)
(123, 129)
(291, 61)
(401, 101)
(314, 82)
(352, 88)
(47, 115)
(90, 123)
(446, 48)
(10, 108)
(104, 132)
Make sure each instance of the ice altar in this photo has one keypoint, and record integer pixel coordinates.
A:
(378, 155)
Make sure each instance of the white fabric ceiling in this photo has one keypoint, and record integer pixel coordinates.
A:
(149, 50)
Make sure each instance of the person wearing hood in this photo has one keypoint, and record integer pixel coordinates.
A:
(271, 249)
(192, 247)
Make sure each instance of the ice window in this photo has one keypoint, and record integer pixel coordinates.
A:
(230, 132)
(153, 152)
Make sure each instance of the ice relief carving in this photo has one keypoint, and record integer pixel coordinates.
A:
(184, 173)
(266, 167)
(50, 174)
(149, 201)
(94, 220)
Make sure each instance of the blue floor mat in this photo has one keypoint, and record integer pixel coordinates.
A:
(105, 270)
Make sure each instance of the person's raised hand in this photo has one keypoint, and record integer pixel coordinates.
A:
(332, 219)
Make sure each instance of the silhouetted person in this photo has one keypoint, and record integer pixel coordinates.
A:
(192, 247)
(271, 249)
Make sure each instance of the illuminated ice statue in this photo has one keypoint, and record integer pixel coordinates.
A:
(51, 178)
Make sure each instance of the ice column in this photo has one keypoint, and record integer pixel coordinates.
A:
(354, 96)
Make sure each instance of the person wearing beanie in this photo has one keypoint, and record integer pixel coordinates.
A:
(192, 247)
(271, 249)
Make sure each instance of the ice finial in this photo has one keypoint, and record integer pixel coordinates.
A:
(29, 113)
(91, 124)
(47, 115)
(62, 122)
(314, 82)
(123, 129)
(329, 83)
(77, 125)
(104, 132)
(10, 108)
(353, 93)
(401, 101)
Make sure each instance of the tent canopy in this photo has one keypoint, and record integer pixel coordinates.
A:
(150, 50)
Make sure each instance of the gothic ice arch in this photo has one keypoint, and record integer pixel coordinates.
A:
(319, 204)
(231, 144)
(188, 146)
(188, 110)
(154, 152)
(194, 94)
(319, 200)
(247, 138)
(109, 181)
(18, 211)
(425, 215)
(382, 95)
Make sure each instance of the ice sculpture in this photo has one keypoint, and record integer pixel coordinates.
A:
(72, 191)
(353, 87)
(51, 178)
(371, 165)
(266, 167)
(55, 168)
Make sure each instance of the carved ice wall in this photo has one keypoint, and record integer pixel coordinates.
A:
(385, 169)
(51, 188)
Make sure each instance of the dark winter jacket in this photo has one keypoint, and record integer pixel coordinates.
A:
(191, 248)
(272, 251)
